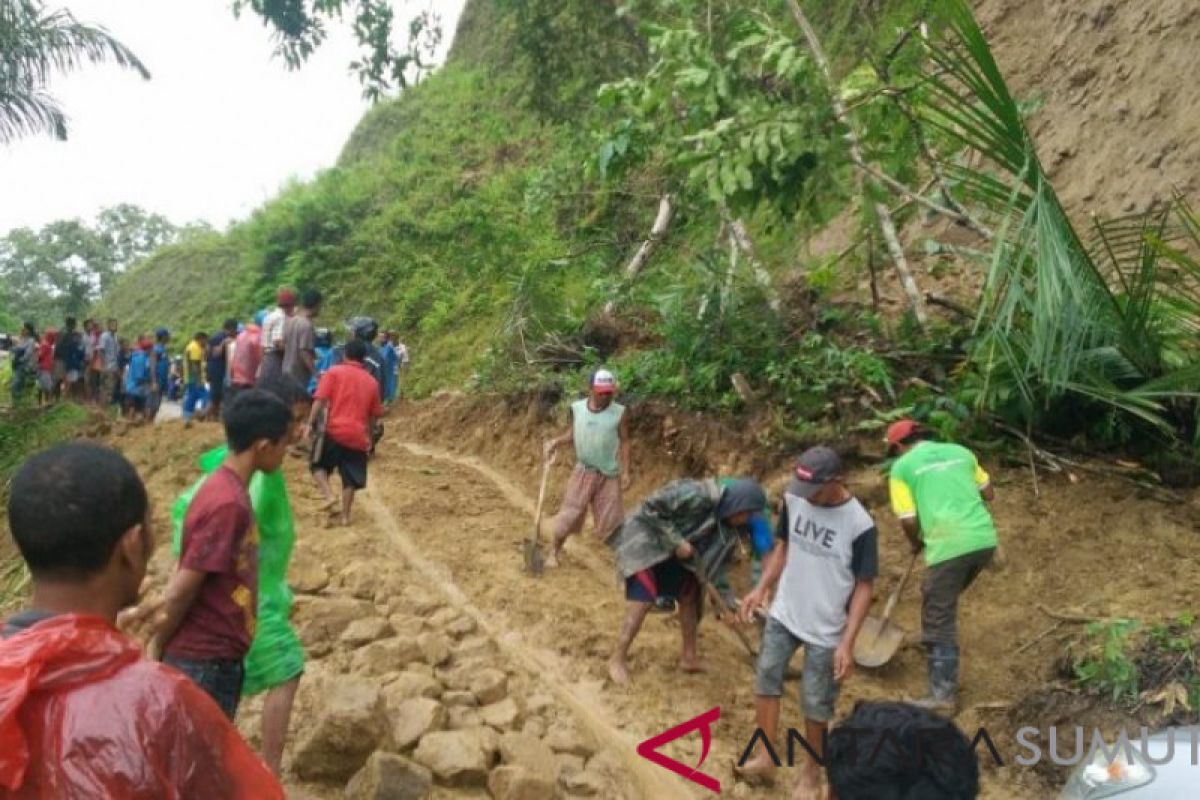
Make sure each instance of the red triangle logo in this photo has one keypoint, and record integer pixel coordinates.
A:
(649, 749)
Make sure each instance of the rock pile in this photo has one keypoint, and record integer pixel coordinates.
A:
(405, 698)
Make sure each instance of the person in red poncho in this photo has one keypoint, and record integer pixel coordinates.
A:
(82, 713)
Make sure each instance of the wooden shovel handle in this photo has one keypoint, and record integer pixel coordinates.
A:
(891, 603)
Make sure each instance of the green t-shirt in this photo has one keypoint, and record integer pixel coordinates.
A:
(939, 484)
(598, 436)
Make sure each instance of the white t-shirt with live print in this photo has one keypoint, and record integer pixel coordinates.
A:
(829, 549)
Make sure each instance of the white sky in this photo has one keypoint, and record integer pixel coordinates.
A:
(220, 126)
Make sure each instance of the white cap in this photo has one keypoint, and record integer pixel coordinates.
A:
(604, 382)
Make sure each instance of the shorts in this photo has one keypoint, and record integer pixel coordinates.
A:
(944, 582)
(137, 400)
(351, 465)
(45, 381)
(222, 679)
(216, 387)
(818, 689)
(668, 579)
(587, 487)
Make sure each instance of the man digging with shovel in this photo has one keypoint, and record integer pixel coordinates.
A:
(670, 548)
(600, 432)
(825, 562)
(940, 493)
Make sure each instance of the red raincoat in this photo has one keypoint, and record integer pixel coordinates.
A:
(84, 715)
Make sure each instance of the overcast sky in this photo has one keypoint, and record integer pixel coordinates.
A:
(216, 131)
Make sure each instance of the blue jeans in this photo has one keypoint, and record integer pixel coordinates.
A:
(818, 689)
(194, 395)
(221, 679)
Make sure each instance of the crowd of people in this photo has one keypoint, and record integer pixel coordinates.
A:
(222, 627)
(96, 365)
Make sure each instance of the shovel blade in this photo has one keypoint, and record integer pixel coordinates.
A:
(535, 559)
(877, 642)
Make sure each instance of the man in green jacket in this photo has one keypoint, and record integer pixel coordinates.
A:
(940, 494)
(677, 540)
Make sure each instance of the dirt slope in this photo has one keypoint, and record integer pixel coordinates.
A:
(451, 501)
(1118, 113)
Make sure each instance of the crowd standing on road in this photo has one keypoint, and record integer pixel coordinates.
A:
(222, 628)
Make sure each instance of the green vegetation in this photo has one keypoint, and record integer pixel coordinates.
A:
(64, 267)
(35, 44)
(1134, 665)
(491, 212)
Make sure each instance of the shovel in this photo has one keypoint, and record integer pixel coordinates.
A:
(535, 559)
(879, 639)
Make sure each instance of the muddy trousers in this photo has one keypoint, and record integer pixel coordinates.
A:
(944, 583)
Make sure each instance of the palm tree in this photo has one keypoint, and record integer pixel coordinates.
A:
(36, 43)
(1065, 319)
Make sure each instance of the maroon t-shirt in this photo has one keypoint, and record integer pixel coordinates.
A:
(219, 538)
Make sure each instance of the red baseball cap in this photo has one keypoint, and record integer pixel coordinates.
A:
(900, 430)
(285, 297)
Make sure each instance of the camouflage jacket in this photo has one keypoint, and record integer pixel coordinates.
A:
(681, 510)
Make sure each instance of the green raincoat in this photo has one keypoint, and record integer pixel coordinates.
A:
(276, 655)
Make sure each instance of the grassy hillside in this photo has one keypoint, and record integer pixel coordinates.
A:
(463, 213)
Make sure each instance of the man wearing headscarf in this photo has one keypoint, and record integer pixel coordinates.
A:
(676, 541)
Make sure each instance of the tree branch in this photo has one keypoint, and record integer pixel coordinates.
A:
(886, 223)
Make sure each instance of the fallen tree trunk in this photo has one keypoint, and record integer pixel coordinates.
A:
(657, 231)
(887, 224)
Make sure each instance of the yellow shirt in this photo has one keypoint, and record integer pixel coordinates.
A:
(193, 359)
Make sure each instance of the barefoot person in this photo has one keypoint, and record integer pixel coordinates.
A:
(600, 433)
(82, 713)
(824, 563)
(940, 494)
(350, 396)
(680, 535)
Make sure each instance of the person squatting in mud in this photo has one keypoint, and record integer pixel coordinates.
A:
(82, 713)
(670, 548)
(600, 433)
(824, 562)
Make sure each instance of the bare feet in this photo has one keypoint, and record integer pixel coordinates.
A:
(692, 666)
(758, 771)
(618, 671)
(552, 559)
(810, 786)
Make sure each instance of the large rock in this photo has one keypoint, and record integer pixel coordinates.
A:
(566, 738)
(387, 776)
(349, 726)
(457, 758)
(409, 684)
(435, 648)
(365, 631)
(503, 715)
(460, 717)
(512, 782)
(526, 751)
(306, 573)
(461, 627)
(582, 783)
(413, 718)
(419, 602)
(360, 579)
(320, 621)
(489, 686)
(389, 655)
(475, 647)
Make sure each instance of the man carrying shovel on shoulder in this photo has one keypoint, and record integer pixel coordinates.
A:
(825, 561)
(940, 494)
(600, 432)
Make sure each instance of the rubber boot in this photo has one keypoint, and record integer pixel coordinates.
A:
(943, 679)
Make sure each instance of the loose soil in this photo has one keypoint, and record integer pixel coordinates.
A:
(450, 504)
